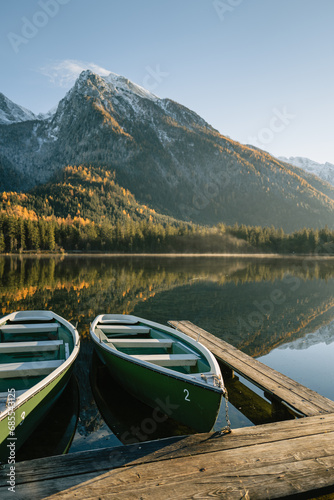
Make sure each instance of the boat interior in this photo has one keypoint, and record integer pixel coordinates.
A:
(152, 345)
(30, 349)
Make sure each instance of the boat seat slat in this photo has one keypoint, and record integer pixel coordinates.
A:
(152, 343)
(168, 359)
(124, 329)
(118, 322)
(44, 345)
(32, 327)
(28, 369)
(33, 316)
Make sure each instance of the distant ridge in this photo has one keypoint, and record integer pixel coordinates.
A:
(323, 170)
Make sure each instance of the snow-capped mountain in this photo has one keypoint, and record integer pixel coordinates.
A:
(165, 154)
(323, 170)
(13, 113)
(121, 84)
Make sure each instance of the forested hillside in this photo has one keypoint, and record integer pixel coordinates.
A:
(85, 209)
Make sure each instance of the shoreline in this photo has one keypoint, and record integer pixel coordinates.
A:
(174, 255)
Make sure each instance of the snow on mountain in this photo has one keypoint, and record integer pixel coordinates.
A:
(165, 154)
(13, 113)
(323, 170)
(122, 84)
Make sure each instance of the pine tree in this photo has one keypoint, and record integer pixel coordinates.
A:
(22, 236)
(2, 242)
(50, 237)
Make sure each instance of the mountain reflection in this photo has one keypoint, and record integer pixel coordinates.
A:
(254, 304)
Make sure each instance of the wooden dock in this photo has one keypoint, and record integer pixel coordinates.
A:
(279, 387)
(287, 459)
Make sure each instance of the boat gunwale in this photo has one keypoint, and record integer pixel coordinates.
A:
(56, 373)
(192, 378)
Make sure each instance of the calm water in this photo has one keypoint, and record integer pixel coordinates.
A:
(280, 311)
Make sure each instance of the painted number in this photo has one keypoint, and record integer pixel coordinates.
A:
(187, 395)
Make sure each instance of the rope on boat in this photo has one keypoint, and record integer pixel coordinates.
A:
(217, 381)
(227, 429)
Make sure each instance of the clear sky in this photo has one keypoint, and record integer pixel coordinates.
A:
(259, 71)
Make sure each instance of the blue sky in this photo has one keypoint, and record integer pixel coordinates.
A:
(259, 71)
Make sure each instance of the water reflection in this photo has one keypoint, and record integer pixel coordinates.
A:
(256, 305)
(253, 304)
(309, 360)
(55, 434)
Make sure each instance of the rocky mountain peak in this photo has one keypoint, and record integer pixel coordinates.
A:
(170, 158)
(13, 113)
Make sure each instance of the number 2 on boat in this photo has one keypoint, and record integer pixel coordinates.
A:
(187, 395)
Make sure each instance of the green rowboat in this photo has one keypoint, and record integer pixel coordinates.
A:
(162, 367)
(37, 351)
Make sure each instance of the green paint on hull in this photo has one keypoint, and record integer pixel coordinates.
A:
(193, 405)
(35, 409)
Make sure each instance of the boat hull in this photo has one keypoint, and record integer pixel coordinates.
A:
(23, 410)
(192, 404)
(28, 415)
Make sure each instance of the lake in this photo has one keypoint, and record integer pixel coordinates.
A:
(280, 311)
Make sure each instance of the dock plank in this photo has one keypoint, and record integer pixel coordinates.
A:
(267, 461)
(205, 478)
(301, 398)
(223, 462)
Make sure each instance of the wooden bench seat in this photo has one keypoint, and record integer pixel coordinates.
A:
(118, 321)
(155, 343)
(169, 359)
(30, 328)
(123, 329)
(28, 369)
(42, 345)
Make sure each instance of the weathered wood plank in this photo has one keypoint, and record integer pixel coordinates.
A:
(268, 470)
(303, 399)
(198, 481)
(163, 449)
(245, 453)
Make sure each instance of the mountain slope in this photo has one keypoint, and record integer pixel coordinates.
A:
(323, 170)
(78, 192)
(13, 113)
(167, 156)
